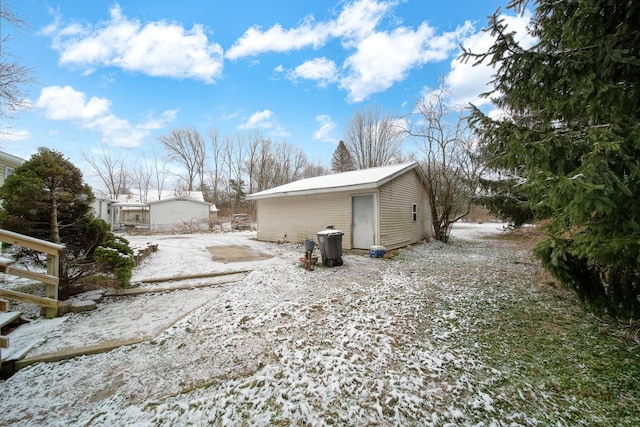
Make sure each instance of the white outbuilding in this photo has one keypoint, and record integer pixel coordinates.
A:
(179, 214)
(387, 206)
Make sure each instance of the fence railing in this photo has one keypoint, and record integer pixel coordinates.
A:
(51, 278)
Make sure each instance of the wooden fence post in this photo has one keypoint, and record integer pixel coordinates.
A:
(53, 269)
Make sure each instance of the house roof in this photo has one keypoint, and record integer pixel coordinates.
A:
(11, 159)
(133, 197)
(178, 199)
(346, 181)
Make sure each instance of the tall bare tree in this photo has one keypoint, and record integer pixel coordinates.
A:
(111, 169)
(187, 148)
(315, 168)
(446, 150)
(290, 163)
(259, 162)
(141, 176)
(216, 173)
(373, 139)
(14, 77)
(159, 172)
(234, 160)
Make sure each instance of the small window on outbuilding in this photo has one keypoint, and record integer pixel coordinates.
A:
(414, 212)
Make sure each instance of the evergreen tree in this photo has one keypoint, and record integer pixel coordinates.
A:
(506, 199)
(46, 198)
(237, 193)
(342, 161)
(572, 131)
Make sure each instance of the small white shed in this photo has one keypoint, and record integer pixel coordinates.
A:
(179, 214)
(386, 206)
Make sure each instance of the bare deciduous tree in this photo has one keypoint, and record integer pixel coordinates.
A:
(234, 160)
(259, 162)
(111, 169)
(315, 168)
(186, 147)
(290, 163)
(141, 175)
(216, 172)
(14, 77)
(446, 150)
(269, 165)
(372, 139)
(159, 172)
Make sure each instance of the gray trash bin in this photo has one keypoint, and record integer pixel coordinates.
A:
(330, 242)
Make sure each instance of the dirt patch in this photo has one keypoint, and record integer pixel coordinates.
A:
(236, 253)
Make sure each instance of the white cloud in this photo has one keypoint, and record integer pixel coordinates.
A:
(153, 122)
(378, 59)
(230, 116)
(355, 21)
(465, 82)
(15, 135)
(65, 103)
(159, 49)
(327, 130)
(358, 20)
(276, 39)
(265, 119)
(321, 69)
(259, 119)
(384, 58)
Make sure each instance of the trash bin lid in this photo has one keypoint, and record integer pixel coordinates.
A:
(330, 232)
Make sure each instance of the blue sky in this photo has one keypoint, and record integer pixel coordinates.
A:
(120, 74)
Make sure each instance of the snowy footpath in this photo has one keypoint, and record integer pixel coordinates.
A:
(370, 343)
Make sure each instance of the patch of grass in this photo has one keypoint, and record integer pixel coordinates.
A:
(555, 358)
(580, 367)
(540, 357)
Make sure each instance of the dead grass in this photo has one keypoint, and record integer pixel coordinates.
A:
(236, 253)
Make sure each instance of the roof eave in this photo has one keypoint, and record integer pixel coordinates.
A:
(328, 190)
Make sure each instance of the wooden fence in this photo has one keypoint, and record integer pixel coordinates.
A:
(51, 278)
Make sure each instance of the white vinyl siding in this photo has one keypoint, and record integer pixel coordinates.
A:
(7, 170)
(166, 215)
(8, 163)
(397, 198)
(301, 217)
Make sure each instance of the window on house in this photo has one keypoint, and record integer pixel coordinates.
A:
(414, 212)
(8, 171)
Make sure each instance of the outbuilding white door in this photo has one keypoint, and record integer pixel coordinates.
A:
(362, 222)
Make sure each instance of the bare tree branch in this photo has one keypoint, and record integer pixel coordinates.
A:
(372, 139)
(446, 151)
(186, 147)
(111, 170)
(14, 77)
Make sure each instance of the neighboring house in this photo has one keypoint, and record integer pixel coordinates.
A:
(179, 212)
(386, 206)
(8, 163)
(132, 214)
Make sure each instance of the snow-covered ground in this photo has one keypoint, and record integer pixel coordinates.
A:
(370, 343)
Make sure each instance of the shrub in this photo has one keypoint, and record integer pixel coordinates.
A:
(116, 256)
